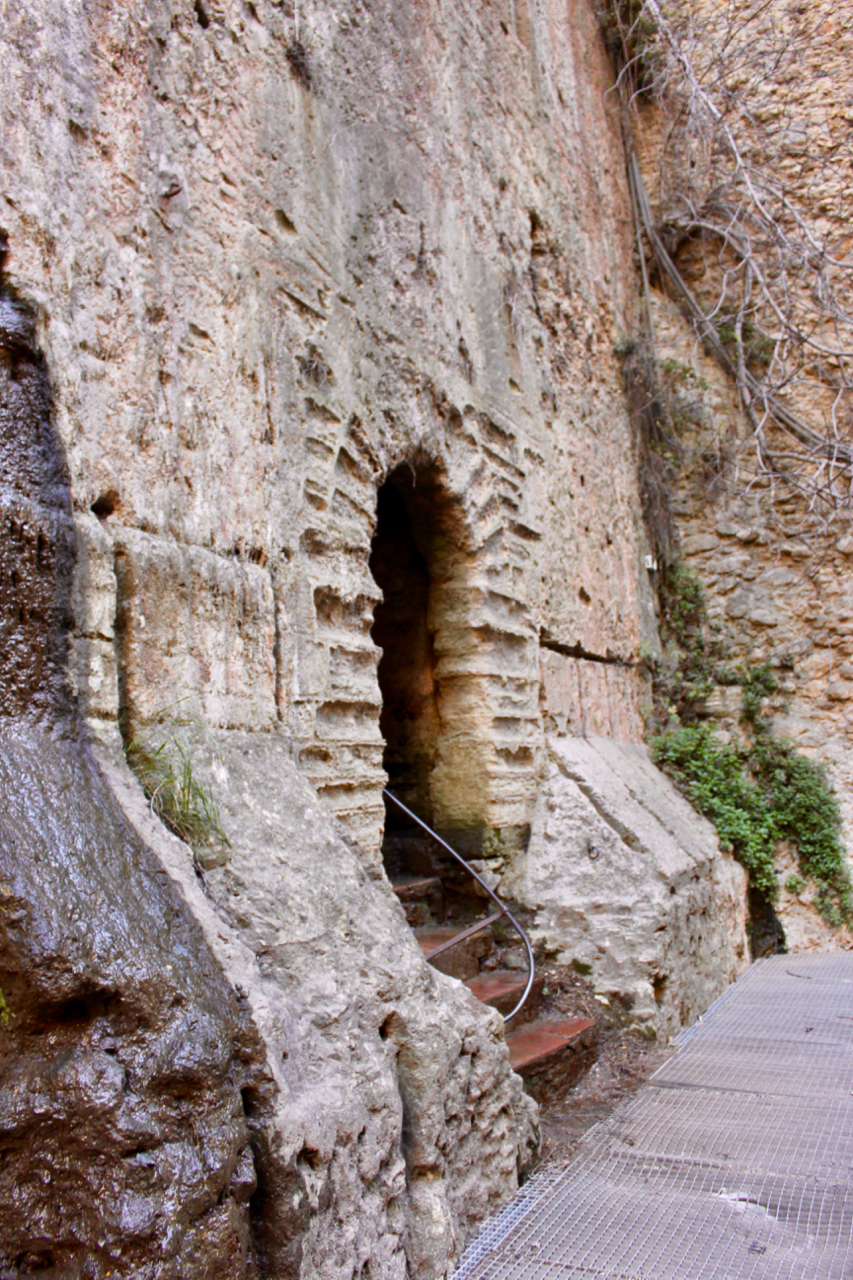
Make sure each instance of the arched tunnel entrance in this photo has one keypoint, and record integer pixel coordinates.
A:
(429, 718)
(402, 555)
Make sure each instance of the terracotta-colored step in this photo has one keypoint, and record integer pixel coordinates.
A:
(493, 988)
(534, 1044)
(421, 897)
(552, 1055)
(461, 961)
(502, 990)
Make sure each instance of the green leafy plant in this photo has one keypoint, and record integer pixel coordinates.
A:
(624, 346)
(808, 815)
(757, 683)
(758, 795)
(760, 792)
(161, 759)
(795, 884)
(684, 603)
(712, 777)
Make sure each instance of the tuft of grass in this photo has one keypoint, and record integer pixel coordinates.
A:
(180, 799)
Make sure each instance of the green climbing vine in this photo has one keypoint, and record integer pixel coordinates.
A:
(758, 792)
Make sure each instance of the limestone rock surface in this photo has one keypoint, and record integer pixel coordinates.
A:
(629, 883)
(275, 258)
(384, 1116)
(263, 285)
(255, 1074)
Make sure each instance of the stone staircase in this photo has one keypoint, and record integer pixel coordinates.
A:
(550, 1053)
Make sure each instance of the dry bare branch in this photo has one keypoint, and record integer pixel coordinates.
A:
(754, 257)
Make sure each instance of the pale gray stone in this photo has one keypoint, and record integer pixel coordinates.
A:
(623, 876)
(356, 1030)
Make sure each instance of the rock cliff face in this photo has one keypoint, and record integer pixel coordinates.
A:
(778, 596)
(771, 541)
(264, 290)
(306, 329)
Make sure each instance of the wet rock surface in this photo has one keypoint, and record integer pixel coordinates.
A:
(124, 1146)
(246, 1072)
(36, 535)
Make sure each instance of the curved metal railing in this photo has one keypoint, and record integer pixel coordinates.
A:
(481, 924)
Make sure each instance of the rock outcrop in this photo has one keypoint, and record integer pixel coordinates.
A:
(263, 1079)
(773, 597)
(630, 886)
(307, 328)
(764, 525)
(277, 268)
(383, 1117)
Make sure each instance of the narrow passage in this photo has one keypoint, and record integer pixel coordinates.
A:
(733, 1161)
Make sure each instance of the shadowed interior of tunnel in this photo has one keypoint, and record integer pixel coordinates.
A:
(403, 547)
(430, 700)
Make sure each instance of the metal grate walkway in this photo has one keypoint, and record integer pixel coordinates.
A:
(733, 1162)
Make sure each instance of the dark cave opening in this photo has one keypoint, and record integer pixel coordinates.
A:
(401, 556)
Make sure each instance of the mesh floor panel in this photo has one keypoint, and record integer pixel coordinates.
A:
(734, 1161)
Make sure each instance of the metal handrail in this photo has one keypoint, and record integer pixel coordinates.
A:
(504, 911)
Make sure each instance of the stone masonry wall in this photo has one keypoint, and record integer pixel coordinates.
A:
(257, 298)
(777, 574)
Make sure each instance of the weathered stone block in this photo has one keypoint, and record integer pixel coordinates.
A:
(192, 622)
(592, 698)
(339, 1015)
(310, 668)
(623, 876)
(699, 542)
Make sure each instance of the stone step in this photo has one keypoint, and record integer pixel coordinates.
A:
(421, 897)
(462, 961)
(502, 990)
(552, 1054)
